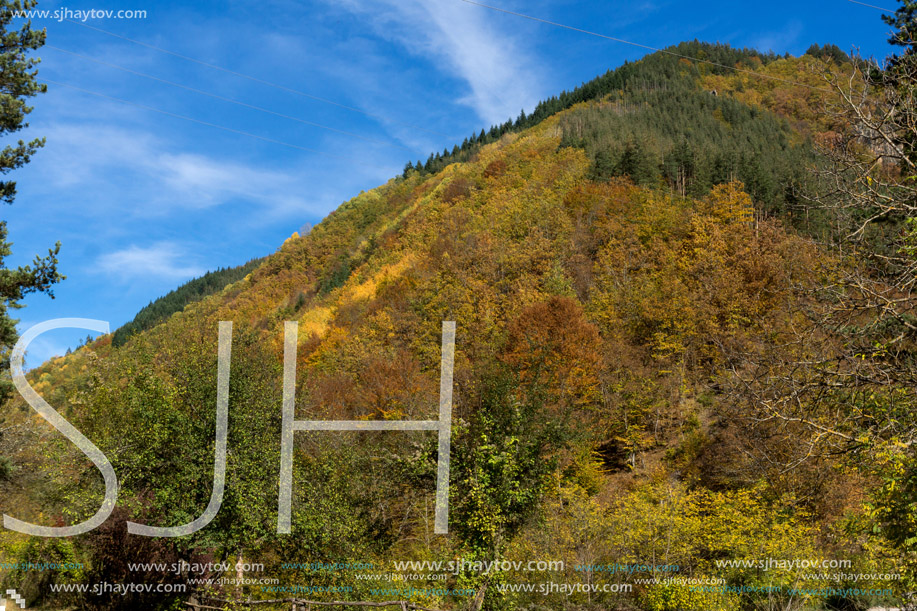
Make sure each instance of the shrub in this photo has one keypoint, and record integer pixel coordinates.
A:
(6, 468)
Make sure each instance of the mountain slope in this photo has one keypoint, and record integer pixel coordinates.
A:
(176, 300)
(598, 321)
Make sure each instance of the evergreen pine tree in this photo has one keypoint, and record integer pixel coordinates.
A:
(638, 164)
(17, 84)
(603, 168)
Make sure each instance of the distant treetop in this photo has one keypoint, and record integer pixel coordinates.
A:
(828, 52)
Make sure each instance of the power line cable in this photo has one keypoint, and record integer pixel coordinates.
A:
(647, 47)
(225, 99)
(256, 79)
(887, 10)
(207, 123)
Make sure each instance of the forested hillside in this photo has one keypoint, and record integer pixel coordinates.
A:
(176, 300)
(631, 269)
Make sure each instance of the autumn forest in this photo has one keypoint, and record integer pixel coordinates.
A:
(684, 367)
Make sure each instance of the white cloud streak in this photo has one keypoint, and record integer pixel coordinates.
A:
(162, 260)
(142, 169)
(496, 66)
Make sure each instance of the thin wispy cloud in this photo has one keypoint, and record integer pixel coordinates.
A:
(497, 67)
(162, 260)
(144, 175)
(210, 181)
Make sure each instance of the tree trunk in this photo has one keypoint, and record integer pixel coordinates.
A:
(239, 576)
(478, 601)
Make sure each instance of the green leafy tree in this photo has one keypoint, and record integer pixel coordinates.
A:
(17, 84)
(500, 474)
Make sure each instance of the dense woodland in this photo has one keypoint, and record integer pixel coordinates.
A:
(176, 300)
(637, 272)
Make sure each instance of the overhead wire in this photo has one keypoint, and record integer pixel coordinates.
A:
(225, 99)
(887, 10)
(350, 108)
(201, 122)
(256, 79)
(647, 47)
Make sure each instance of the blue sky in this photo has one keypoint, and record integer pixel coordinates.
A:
(143, 201)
